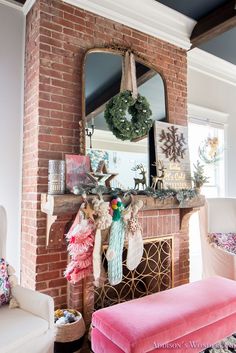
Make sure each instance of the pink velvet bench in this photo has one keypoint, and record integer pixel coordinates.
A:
(186, 319)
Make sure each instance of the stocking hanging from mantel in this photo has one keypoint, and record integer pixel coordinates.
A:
(133, 234)
(116, 244)
(129, 80)
(103, 221)
(80, 246)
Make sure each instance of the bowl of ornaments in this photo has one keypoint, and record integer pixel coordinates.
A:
(69, 328)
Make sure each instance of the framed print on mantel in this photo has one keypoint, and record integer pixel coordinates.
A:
(77, 169)
(171, 149)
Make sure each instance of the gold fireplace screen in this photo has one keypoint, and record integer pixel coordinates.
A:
(154, 274)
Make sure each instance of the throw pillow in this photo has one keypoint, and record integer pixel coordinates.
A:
(13, 303)
(225, 241)
(4, 283)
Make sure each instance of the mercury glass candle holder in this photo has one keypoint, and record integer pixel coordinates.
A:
(56, 177)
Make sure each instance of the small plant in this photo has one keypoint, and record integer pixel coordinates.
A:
(199, 178)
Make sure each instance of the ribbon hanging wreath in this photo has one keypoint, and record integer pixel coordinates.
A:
(128, 100)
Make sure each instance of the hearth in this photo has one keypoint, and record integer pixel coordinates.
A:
(153, 274)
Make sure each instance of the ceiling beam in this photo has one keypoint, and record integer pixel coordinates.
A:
(98, 102)
(217, 22)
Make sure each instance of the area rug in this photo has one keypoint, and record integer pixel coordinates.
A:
(228, 345)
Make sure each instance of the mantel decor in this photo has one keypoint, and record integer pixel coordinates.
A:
(199, 178)
(77, 169)
(61, 209)
(56, 177)
(171, 147)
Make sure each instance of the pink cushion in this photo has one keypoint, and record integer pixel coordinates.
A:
(135, 326)
(192, 343)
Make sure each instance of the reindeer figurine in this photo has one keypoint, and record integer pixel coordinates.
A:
(157, 181)
(138, 181)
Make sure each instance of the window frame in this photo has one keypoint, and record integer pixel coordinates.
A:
(205, 116)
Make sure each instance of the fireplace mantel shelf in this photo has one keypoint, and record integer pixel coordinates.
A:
(60, 205)
(60, 210)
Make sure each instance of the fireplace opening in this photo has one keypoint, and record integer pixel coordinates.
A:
(153, 274)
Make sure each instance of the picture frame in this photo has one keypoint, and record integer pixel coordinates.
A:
(171, 149)
(77, 169)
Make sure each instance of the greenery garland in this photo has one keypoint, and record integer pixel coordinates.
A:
(163, 194)
(139, 109)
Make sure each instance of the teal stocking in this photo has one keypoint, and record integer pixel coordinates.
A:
(114, 252)
(116, 243)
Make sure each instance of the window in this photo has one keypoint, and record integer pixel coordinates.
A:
(200, 133)
(204, 126)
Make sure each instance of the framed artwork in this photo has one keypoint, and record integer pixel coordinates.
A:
(77, 167)
(96, 156)
(171, 150)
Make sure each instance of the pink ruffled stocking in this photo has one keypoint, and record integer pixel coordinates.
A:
(80, 247)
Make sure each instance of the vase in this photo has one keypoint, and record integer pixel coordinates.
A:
(198, 190)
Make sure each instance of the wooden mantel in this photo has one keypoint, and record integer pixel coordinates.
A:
(57, 205)
(60, 209)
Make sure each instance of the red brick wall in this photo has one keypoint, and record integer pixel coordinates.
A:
(58, 36)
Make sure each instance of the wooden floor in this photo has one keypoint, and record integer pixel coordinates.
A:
(85, 348)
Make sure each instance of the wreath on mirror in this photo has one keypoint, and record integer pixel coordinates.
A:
(139, 109)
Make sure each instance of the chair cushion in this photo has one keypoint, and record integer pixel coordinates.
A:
(17, 327)
(163, 317)
(4, 283)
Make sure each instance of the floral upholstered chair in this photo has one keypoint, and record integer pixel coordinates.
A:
(218, 237)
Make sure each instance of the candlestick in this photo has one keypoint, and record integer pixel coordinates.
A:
(90, 131)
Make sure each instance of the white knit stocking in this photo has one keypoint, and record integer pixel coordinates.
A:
(135, 249)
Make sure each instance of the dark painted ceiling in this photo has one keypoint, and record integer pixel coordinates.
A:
(20, 2)
(223, 46)
(195, 8)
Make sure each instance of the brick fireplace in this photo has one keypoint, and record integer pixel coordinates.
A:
(58, 36)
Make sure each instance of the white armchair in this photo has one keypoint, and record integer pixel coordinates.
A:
(218, 216)
(29, 328)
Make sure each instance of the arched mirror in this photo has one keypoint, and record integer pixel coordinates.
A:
(102, 79)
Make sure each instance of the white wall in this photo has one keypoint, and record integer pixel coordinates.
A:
(209, 92)
(11, 108)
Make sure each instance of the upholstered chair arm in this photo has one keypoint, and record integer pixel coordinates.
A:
(37, 303)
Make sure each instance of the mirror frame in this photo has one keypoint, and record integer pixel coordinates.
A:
(121, 52)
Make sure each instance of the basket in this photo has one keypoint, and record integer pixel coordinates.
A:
(70, 332)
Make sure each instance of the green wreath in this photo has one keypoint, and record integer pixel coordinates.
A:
(204, 155)
(139, 109)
